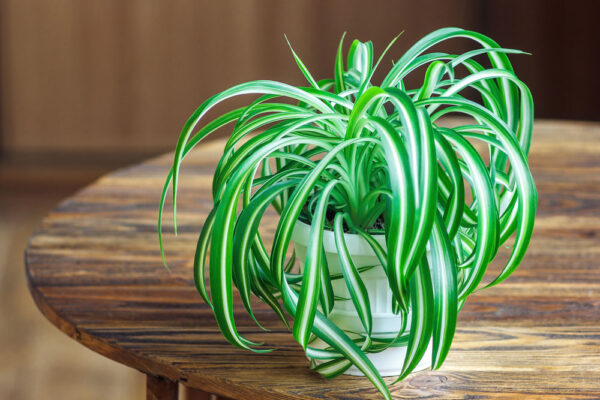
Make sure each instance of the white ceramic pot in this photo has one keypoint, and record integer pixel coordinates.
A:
(385, 322)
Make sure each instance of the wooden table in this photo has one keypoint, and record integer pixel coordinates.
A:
(94, 271)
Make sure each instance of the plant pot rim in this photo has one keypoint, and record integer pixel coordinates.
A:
(355, 243)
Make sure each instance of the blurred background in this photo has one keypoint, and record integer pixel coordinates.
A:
(89, 86)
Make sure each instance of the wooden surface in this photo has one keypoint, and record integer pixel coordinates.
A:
(94, 271)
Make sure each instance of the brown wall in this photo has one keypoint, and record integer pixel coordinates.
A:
(563, 37)
(124, 75)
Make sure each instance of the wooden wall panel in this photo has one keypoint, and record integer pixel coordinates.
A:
(124, 75)
(562, 37)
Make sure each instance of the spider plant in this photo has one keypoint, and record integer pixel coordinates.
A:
(351, 156)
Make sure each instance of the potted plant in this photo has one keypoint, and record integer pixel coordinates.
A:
(394, 217)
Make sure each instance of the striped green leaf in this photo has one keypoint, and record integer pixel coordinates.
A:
(356, 287)
(311, 279)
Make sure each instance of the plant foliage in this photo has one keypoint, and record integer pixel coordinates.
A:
(346, 155)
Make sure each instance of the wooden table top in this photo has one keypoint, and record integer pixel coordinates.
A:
(94, 271)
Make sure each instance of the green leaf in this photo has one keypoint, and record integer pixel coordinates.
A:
(333, 368)
(360, 58)
(200, 257)
(421, 308)
(356, 287)
(487, 224)
(445, 292)
(339, 68)
(326, 296)
(399, 225)
(302, 67)
(246, 229)
(311, 279)
(454, 211)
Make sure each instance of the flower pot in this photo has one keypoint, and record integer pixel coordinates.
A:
(344, 315)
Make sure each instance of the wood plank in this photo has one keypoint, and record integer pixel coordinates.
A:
(158, 388)
(193, 394)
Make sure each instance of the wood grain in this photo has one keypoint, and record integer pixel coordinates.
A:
(94, 270)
